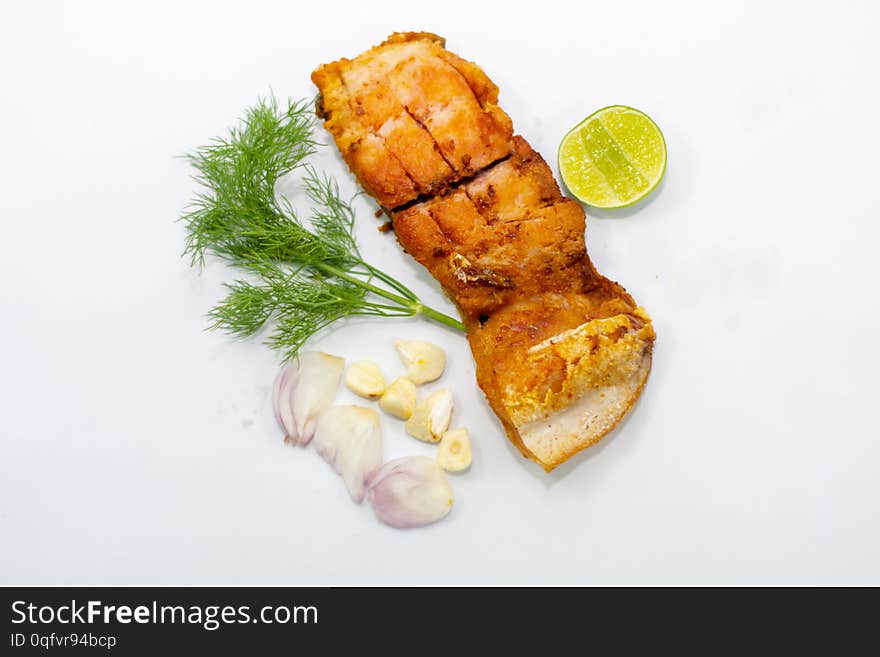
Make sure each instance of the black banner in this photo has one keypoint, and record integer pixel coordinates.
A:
(135, 621)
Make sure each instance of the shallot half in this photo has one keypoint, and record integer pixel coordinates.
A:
(410, 492)
(304, 388)
(349, 438)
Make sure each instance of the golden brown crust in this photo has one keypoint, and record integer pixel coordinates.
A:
(506, 234)
(604, 337)
(562, 352)
(410, 118)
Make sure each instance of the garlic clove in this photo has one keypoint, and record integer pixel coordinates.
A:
(430, 419)
(410, 492)
(418, 425)
(454, 453)
(399, 399)
(349, 438)
(318, 377)
(364, 378)
(440, 403)
(424, 361)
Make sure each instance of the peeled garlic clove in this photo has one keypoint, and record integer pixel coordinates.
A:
(430, 418)
(318, 377)
(410, 492)
(364, 378)
(349, 438)
(454, 453)
(399, 399)
(424, 361)
(440, 413)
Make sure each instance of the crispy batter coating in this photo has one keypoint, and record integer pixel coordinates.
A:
(562, 352)
(410, 118)
(505, 234)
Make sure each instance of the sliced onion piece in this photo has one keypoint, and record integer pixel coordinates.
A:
(410, 492)
(282, 389)
(349, 438)
(318, 376)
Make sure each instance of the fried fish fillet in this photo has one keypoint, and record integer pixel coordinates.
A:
(411, 118)
(562, 353)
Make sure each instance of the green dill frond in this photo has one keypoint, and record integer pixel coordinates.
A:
(302, 303)
(240, 212)
(244, 311)
(332, 218)
(304, 277)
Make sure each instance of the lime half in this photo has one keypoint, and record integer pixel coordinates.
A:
(613, 158)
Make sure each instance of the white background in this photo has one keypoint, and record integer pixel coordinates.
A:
(139, 449)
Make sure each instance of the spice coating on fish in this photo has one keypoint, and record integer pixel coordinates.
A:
(562, 352)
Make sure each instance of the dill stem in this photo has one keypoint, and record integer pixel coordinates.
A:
(414, 307)
(430, 313)
(393, 282)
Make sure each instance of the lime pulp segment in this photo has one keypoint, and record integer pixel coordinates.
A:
(613, 158)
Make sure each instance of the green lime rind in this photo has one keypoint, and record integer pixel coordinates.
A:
(604, 173)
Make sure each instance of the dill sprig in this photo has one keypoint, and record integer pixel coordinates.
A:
(301, 277)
